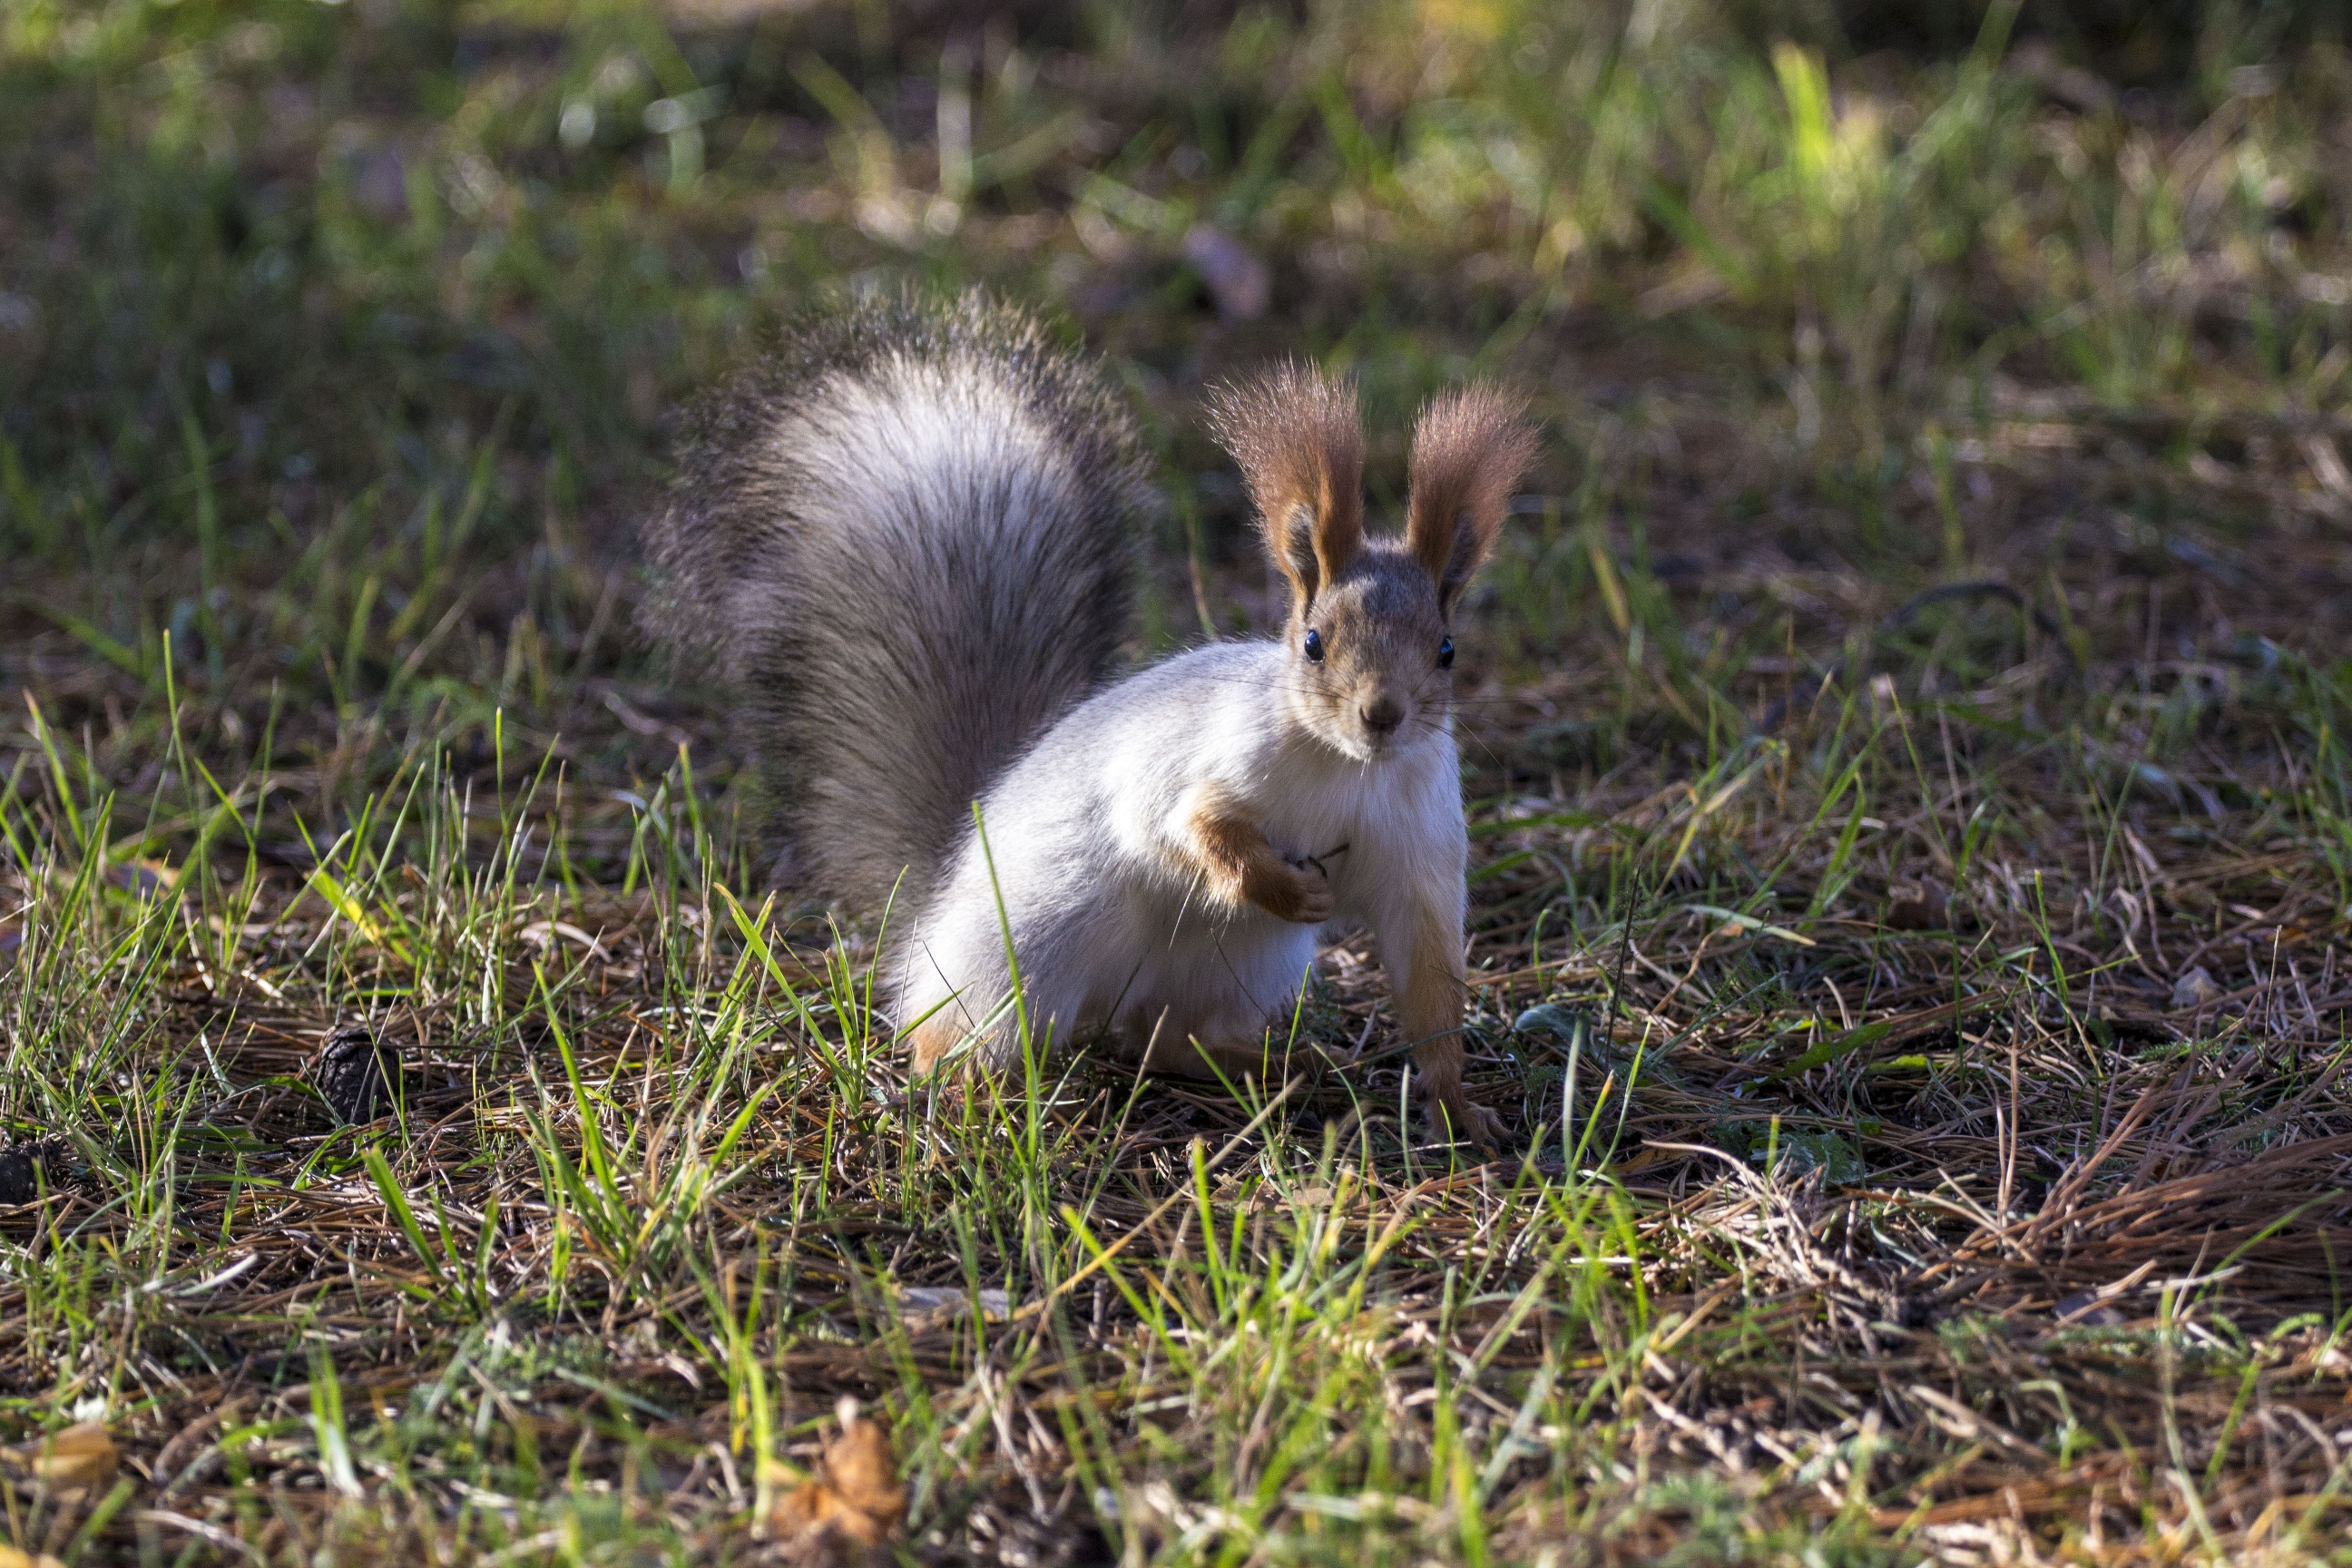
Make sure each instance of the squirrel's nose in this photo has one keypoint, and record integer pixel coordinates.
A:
(1382, 715)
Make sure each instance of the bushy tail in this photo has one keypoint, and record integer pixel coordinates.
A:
(905, 539)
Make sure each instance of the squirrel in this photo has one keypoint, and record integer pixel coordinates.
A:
(906, 538)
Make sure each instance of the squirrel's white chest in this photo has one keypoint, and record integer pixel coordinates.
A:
(1370, 827)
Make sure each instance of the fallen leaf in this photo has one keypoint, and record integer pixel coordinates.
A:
(857, 1497)
(12, 1557)
(80, 1455)
(931, 1305)
(541, 935)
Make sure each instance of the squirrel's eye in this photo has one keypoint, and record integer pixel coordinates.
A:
(1445, 654)
(1313, 646)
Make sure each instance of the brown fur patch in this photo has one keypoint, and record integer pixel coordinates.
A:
(1469, 449)
(1431, 999)
(1301, 449)
(1240, 866)
(1431, 996)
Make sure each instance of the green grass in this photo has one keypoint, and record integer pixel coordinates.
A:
(1922, 1014)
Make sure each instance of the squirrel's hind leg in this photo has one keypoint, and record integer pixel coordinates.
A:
(929, 1042)
(946, 1039)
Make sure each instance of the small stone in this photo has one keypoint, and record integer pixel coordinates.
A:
(1918, 906)
(356, 1073)
(2194, 989)
(26, 1168)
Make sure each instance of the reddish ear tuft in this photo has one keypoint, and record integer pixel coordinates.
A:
(1301, 449)
(1468, 451)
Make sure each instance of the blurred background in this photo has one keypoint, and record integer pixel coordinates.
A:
(338, 339)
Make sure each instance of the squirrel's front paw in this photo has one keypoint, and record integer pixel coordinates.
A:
(1304, 895)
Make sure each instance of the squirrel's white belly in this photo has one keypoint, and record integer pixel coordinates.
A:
(1183, 969)
(1135, 951)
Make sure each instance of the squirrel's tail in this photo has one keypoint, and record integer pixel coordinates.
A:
(904, 537)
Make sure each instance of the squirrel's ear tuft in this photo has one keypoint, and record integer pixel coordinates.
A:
(1295, 433)
(1468, 451)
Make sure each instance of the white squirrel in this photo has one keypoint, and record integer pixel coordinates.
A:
(907, 536)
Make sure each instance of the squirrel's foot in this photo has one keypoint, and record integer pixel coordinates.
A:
(929, 1043)
(1456, 1118)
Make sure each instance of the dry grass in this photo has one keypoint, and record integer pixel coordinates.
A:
(1913, 830)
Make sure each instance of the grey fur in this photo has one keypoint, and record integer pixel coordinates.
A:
(904, 540)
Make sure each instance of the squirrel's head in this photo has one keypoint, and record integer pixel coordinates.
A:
(1370, 649)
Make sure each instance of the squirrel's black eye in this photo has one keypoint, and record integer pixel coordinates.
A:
(1445, 654)
(1313, 646)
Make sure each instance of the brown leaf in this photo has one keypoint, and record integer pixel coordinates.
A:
(857, 1497)
(80, 1455)
(866, 1473)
